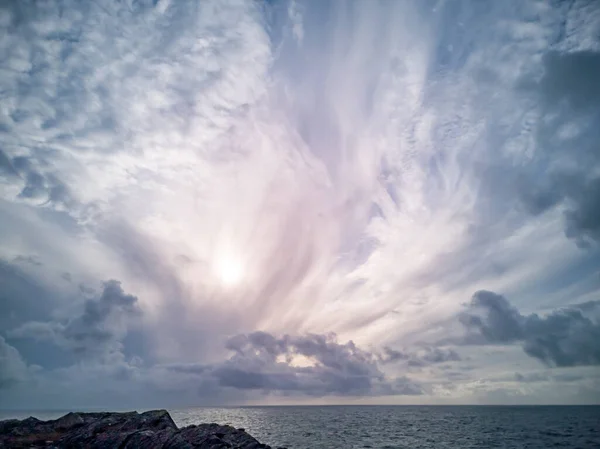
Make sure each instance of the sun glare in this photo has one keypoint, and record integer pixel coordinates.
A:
(229, 270)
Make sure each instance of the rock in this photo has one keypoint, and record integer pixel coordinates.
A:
(70, 420)
(129, 430)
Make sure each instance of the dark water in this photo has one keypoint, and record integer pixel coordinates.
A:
(410, 427)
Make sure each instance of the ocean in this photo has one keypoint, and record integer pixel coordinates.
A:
(396, 427)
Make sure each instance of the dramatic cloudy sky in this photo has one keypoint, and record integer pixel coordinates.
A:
(265, 202)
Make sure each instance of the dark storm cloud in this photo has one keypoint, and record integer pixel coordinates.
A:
(569, 89)
(501, 323)
(98, 328)
(572, 79)
(313, 364)
(581, 200)
(565, 337)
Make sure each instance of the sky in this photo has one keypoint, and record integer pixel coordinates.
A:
(299, 202)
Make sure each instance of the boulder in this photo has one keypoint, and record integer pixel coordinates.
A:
(129, 430)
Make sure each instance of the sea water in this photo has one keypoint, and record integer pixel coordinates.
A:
(410, 426)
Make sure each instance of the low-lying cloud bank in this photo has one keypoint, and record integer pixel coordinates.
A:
(315, 365)
(308, 365)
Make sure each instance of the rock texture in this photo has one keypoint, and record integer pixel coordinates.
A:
(154, 429)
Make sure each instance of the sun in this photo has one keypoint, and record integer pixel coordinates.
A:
(230, 270)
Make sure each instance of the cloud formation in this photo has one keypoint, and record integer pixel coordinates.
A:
(98, 329)
(12, 367)
(568, 91)
(564, 337)
(422, 357)
(302, 169)
(312, 364)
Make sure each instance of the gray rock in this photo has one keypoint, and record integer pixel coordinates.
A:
(130, 430)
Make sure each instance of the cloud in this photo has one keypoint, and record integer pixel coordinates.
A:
(440, 355)
(426, 355)
(579, 197)
(98, 329)
(24, 296)
(535, 377)
(569, 96)
(258, 365)
(583, 217)
(13, 368)
(564, 337)
(313, 364)
(570, 79)
(37, 187)
(32, 260)
(364, 165)
(502, 323)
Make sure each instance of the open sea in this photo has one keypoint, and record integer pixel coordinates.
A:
(395, 427)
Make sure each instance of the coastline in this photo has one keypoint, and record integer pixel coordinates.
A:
(127, 430)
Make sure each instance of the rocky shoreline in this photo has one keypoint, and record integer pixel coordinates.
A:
(130, 430)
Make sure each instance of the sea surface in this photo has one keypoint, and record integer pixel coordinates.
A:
(395, 427)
